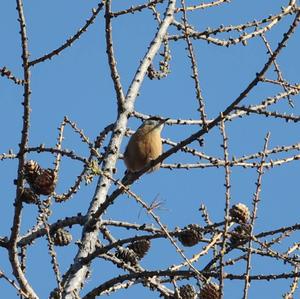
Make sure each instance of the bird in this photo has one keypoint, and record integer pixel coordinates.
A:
(144, 145)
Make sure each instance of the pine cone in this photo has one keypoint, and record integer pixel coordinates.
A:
(186, 292)
(44, 182)
(41, 181)
(240, 235)
(31, 170)
(127, 255)
(210, 291)
(28, 196)
(61, 237)
(190, 235)
(55, 294)
(140, 248)
(240, 213)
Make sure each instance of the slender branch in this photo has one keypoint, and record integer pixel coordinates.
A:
(111, 56)
(277, 69)
(136, 276)
(133, 9)
(256, 200)
(4, 72)
(286, 117)
(195, 75)
(202, 5)
(15, 230)
(11, 282)
(227, 204)
(205, 35)
(34, 234)
(72, 39)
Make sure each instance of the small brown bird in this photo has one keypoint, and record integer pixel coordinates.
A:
(144, 145)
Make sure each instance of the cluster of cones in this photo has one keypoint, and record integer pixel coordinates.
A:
(41, 181)
(134, 252)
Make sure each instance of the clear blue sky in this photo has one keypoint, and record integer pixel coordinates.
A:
(77, 83)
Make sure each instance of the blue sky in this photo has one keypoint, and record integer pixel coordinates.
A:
(77, 83)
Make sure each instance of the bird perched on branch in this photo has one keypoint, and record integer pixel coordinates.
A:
(144, 145)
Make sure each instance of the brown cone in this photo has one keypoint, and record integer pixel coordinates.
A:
(240, 235)
(186, 292)
(127, 255)
(140, 247)
(210, 291)
(41, 181)
(31, 171)
(61, 237)
(190, 235)
(28, 196)
(240, 213)
(44, 182)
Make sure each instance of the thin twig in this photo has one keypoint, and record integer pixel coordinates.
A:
(253, 217)
(15, 230)
(133, 9)
(277, 69)
(111, 56)
(70, 40)
(4, 72)
(227, 204)
(195, 75)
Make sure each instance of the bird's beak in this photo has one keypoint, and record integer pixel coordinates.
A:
(162, 121)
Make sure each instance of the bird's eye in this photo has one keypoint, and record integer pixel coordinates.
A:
(150, 122)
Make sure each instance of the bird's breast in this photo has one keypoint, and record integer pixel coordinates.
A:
(150, 145)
